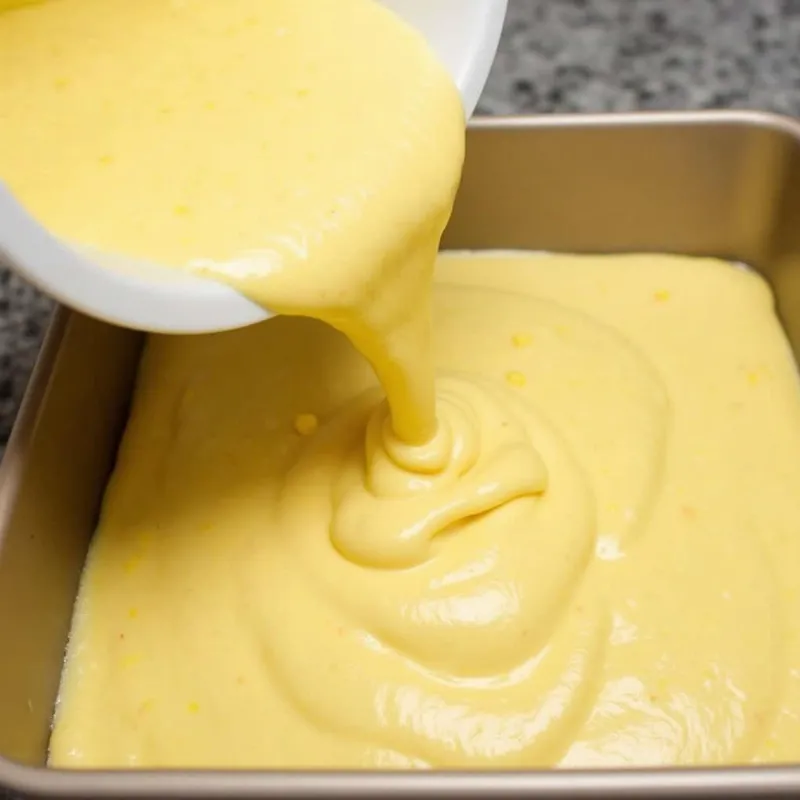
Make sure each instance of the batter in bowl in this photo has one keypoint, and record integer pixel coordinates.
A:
(307, 151)
(575, 546)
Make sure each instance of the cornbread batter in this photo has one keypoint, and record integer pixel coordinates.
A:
(595, 563)
(580, 549)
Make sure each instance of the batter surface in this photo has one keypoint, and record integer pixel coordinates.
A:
(601, 571)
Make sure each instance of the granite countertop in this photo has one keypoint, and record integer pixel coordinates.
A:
(564, 56)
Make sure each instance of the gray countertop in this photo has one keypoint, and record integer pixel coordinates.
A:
(565, 56)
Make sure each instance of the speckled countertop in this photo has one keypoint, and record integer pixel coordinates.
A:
(565, 55)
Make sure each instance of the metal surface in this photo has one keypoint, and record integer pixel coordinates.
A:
(726, 184)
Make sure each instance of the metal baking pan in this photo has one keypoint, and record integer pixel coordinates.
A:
(724, 184)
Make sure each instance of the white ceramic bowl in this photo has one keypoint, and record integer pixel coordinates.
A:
(465, 35)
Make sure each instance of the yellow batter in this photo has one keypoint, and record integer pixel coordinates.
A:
(580, 549)
(259, 596)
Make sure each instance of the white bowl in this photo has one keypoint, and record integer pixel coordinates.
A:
(465, 35)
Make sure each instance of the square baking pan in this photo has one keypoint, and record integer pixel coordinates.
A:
(713, 183)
